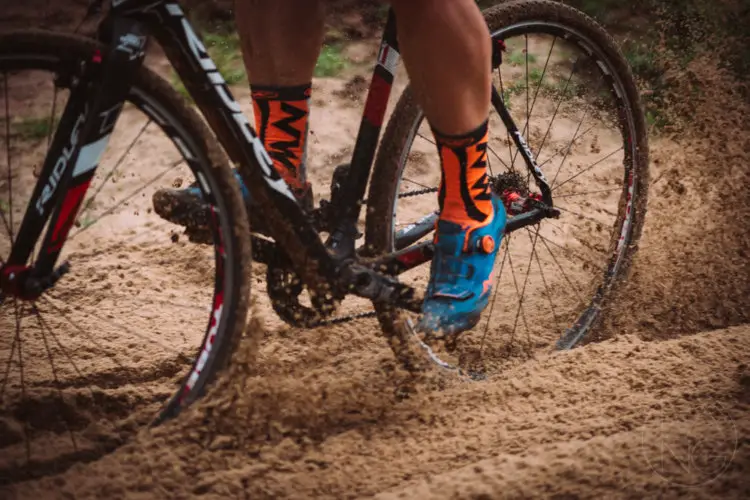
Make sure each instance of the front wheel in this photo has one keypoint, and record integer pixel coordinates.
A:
(572, 95)
(144, 320)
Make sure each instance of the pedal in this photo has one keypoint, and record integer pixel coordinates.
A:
(325, 216)
(337, 180)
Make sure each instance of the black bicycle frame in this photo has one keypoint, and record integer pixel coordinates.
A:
(96, 99)
(349, 203)
(319, 265)
(94, 107)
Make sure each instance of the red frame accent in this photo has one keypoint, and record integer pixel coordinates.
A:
(71, 204)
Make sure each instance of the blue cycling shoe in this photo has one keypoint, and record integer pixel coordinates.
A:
(461, 275)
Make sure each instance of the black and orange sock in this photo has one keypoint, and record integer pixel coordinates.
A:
(281, 115)
(465, 197)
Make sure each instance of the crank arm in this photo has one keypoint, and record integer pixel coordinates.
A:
(367, 283)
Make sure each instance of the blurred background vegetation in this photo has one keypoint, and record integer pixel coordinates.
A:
(660, 39)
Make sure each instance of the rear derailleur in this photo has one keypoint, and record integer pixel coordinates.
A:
(519, 202)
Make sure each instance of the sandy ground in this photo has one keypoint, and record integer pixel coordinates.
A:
(657, 407)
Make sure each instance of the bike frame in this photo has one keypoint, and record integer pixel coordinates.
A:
(94, 106)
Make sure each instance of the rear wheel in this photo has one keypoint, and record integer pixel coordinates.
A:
(144, 319)
(574, 99)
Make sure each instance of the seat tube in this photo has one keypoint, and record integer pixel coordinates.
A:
(349, 202)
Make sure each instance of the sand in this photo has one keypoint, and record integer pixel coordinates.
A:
(655, 406)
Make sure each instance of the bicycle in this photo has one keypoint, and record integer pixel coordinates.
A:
(103, 75)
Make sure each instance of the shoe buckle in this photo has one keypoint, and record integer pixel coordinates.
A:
(486, 244)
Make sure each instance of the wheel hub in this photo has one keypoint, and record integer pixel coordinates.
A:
(19, 281)
(14, 281)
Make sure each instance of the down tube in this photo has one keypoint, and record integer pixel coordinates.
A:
(290, 225)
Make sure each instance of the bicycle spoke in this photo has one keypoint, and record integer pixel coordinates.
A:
(138, 304)
(557, 153)
(83, 21)
(19, 342)
(80, 330)
(586, 193)
(494, 295)
(8, 225)
(417, 183)
(128, 198)
(569, 253)
(507, 132)
(621, 148)
(544, 281)
(521, 311)
(526, 52)
(109, 175)
(557, 108)
(523, 290)
(567, 150)
(128, 241)
(9, 363)
(419, 134)
(565, 276)
(137, 237)
(135, 334)
(572, 141)
(61, 403)
(65, 351)
(5, 221)
(499, 159)
(577, 214)
(536, 94)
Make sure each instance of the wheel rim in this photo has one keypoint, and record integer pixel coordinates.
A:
(90, 361)
(417, 173)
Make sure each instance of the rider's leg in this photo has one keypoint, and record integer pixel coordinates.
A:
(447, 51)
(281, 40)
(446, 48)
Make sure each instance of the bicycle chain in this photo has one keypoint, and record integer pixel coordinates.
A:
(418, 192)
(343, 319)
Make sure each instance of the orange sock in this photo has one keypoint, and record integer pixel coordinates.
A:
(465, 197)
(281, 118)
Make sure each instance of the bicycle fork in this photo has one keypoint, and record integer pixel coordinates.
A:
(98, 91)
